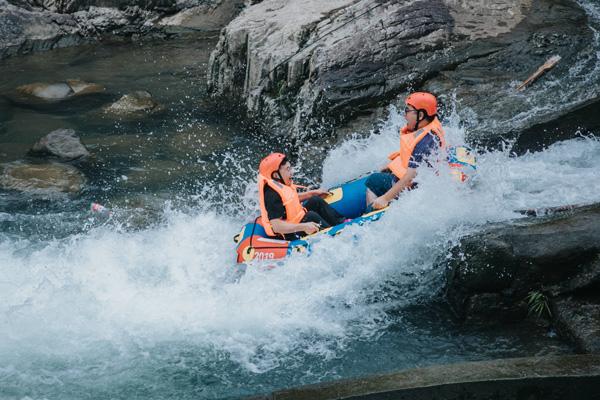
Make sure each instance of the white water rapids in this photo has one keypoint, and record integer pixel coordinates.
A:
(129, 291)
(122, 313)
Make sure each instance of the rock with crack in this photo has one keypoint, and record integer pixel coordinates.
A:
(24, 31)
(36, 25)
(63, 144)
(207, 16)
(491, 273)
(303, 67)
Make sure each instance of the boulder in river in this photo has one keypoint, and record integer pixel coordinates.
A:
(134, 104)
(302, 67)
(36, 25)
(42, 179)
(59, 90)
(558, 253)
(61, 143)
(491, 274)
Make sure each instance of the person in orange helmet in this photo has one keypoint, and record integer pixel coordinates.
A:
(422, 136)
(284, 211)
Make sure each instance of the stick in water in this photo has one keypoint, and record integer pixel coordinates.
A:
(549, 64)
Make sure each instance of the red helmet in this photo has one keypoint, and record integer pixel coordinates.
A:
(423, 101)
(270, 164)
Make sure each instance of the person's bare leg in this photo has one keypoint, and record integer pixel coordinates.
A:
(370, 197)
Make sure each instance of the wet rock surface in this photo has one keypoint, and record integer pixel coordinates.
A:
(304, 67)
(45, 179)
(29, 25)
(584, 121)
(59, 90)
(578, 318)
(61, 143)
(134, 104)
(518, 378)
(491, 273)
(558, 252)
(207, 16)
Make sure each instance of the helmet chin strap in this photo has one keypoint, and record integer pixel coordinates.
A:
(419, 119)
(279, 178)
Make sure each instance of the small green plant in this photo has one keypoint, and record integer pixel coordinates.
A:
(538, 304)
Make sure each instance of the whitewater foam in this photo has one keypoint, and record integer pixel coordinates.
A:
(167, 283)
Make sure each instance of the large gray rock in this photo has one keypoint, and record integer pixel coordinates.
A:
(36, 25)
(304, 66)
(492, 272)
(70, 6)
(61, 143)
(24, 31)
(41, 179)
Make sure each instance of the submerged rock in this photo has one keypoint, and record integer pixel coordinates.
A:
(136, 103)
(197, 141)
(134, 146)
(43, 179)
(154, 173)
(163, 173)
(59, 90)
(61, 143)
(47, 91)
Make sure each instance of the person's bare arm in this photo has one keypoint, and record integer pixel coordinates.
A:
(283, 227)
(310, 193)
(385, 199)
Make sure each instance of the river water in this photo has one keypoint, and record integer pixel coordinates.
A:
(140, 305)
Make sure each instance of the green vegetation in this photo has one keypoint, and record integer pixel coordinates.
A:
(538, 304)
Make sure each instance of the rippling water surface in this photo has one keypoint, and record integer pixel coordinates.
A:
(140, 305)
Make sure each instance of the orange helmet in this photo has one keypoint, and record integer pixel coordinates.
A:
(423, 101)
(270, 164)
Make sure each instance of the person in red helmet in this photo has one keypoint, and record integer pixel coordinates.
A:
(419, 138)
(284, 211)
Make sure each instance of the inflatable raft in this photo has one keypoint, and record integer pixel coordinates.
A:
(253, 243)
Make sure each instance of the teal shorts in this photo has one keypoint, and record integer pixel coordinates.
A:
(380, 182)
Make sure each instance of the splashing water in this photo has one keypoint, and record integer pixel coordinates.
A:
(116, 312)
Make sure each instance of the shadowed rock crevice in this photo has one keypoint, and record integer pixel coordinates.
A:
(490, 274)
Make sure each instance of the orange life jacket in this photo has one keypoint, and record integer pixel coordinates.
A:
(294, 212)
(408, 141)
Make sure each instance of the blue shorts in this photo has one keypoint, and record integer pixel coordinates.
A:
(380, 182)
